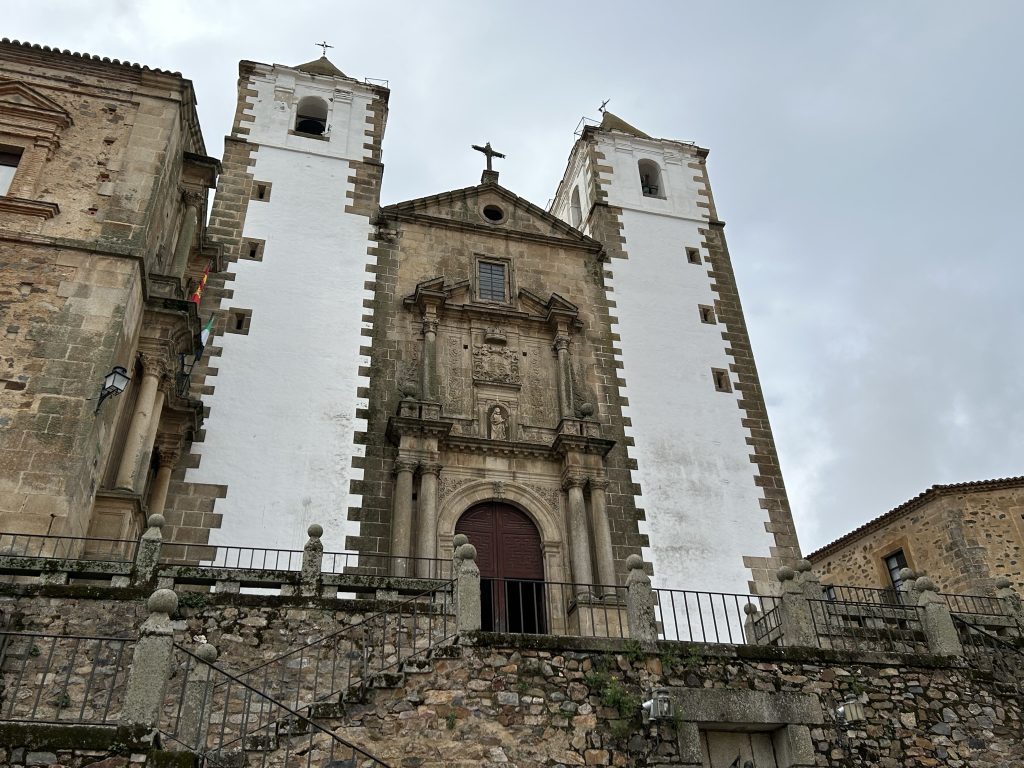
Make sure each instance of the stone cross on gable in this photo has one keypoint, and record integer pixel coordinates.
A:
(486, 149)
(324, 46)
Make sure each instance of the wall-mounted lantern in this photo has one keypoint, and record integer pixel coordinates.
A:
(851, 711)
(114, 383)
(659, 706)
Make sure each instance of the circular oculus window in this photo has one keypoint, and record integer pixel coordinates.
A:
(493, 214)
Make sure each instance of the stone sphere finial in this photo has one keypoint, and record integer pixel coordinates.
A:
(635, 563)
(586, 410)
(924, 584)
(466, 552)
(803, 566)
(751, 610)
(207, 653)
(459, 539)
(315, 531)
(785, 573)
(162, 601)
(409, 390)
(1003, 583)
(156, 521)
(906, 574)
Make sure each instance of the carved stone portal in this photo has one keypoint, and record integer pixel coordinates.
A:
(495, 363)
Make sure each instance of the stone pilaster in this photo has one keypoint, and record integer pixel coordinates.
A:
(401, 520)
(602, 532)
(426, 536)
(579, 539)
(139, 430)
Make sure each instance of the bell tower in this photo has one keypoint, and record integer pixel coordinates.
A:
(301, 181)
(706, 466)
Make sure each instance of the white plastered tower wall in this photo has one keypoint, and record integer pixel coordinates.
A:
(282, 417)
(711, 526)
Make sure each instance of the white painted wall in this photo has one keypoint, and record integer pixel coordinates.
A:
(702, 506)
(282, 417)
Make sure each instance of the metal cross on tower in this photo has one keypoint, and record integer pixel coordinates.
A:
(604, 104)
(486, 149)
(323, 45)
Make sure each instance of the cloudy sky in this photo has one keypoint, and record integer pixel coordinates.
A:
(866, 156)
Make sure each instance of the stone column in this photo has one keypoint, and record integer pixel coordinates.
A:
(467, 590)
(198, 700)
(312, 561)
(602, 533)
(142, 469)
(579, 540)
(426, 535)
(795, 616)
(943, 637)
(640, 614)
(147, 558)
(151, 663)
(401, 518)
(138, 432)
(158, 493)
(564, 376)
(186, 236)
(428, 376)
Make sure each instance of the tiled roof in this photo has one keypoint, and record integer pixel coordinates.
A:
(973, 486)
(89, 56)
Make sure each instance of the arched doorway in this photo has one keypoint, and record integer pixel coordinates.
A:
(511, 562)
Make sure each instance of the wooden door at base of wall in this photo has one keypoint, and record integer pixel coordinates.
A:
(737, 750)
(511, 562)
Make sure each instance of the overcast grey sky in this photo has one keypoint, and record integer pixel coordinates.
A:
(866, 156)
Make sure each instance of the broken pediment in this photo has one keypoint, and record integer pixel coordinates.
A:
(20, 99)
(459, 295)
(491, 208)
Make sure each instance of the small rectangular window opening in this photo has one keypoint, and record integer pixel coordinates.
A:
(9, 160)
(492, 281)
(239, 321)
(693, 256)
(253, 250)
(894, 563)
(707, 314)
(721, 379)
(261, 190)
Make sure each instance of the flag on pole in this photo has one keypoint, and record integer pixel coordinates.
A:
(204, 336)
(197, 294)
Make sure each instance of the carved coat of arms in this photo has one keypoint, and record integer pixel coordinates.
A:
(495, 363)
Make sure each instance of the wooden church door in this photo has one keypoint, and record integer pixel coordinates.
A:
(510, 558)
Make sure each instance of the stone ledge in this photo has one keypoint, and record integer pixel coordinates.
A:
(51, 736)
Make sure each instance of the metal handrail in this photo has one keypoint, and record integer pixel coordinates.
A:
(712, 617)
(269, 712)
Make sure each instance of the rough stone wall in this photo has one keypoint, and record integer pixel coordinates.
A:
(963, 539)
(543, 701)
(72, 292)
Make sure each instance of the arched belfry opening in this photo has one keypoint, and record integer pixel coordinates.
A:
(311, 116)
(511, 561)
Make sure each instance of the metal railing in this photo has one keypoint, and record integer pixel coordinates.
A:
(974, 605)
(867, 595)
(270, 559)
(717, 617)
(67, 547)
(342, 663)
(229, 722)
(534, 607)
(62, 678)
(991, 653)
(868, 626)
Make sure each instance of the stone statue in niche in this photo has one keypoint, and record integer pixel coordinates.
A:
(498, 423)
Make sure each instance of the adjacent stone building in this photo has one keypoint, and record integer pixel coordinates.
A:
(965, 536)
(104, 189)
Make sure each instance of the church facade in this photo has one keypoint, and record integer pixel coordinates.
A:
(580, 376)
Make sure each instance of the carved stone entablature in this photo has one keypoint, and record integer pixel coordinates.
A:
(447, 484)
(496, 364)
(577, 435)
(551, 494)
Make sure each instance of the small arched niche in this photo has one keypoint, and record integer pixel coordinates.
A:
(311, 116)
(575, 210)
(650, 178)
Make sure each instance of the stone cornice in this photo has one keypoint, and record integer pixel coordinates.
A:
(42, 209)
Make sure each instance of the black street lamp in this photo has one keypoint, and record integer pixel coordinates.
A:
(114, 383)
